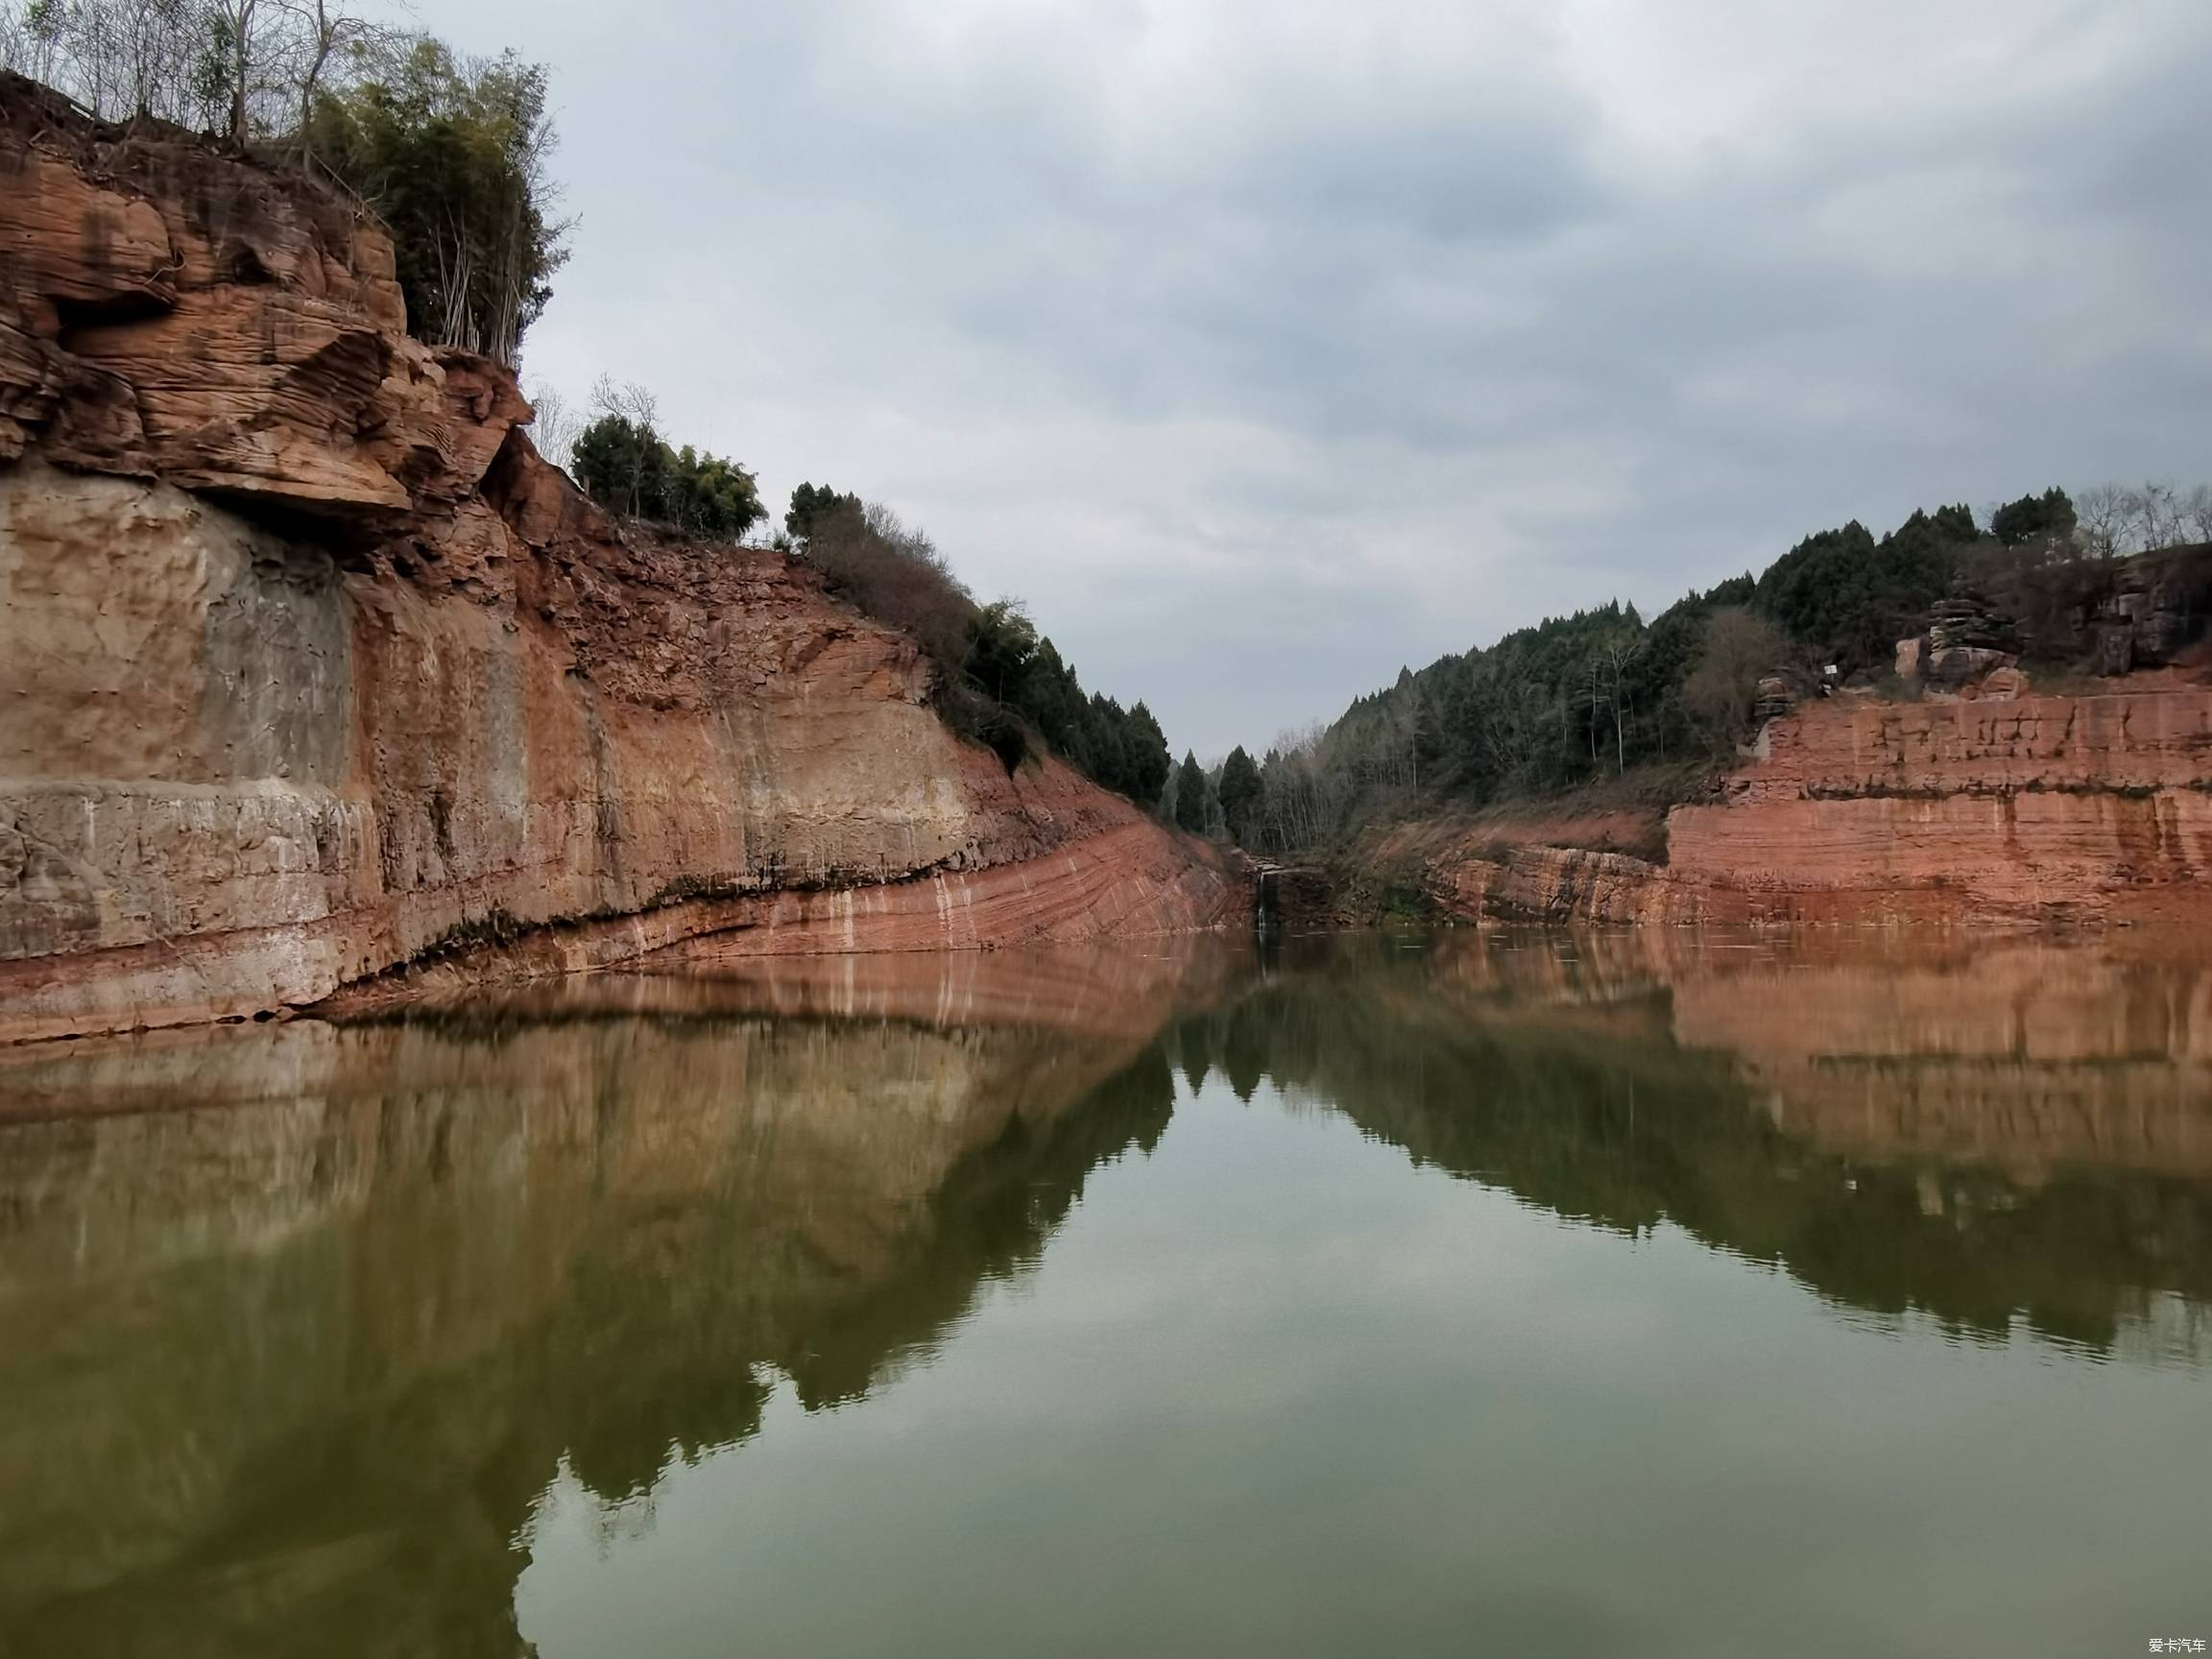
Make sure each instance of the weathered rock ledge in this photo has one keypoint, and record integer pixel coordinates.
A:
(311, 670)
(2078, 810)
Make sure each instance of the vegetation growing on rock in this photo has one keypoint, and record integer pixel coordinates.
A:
(452, 155)
(623, 463)
(450, 152)
(1602, 693)
(999, 681)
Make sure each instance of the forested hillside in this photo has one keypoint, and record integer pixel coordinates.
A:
(1605, 694)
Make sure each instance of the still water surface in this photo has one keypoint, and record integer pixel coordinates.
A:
(1525, 1295)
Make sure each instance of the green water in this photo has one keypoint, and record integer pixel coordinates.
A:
(1523, 1295)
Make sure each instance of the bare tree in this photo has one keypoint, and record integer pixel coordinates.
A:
(2103, 515)
(2198, 506)
(235, 22)
(627, 401)
(1396, 759)
(1615, 655)
(234, 66)
(19, 44)
(554, 424)
(155, 49)
(1591, 722)
(1300, 791)
(1741, 647)
(2158, 516)
(318, 32)
(893, 571)
(1518, 714)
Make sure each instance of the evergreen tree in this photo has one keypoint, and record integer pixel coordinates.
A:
(1003, 652)
(1191, 796)
(623, 464)
(809, 504)
(2033, 518)
(1243, 797)
(618, 463)
(708, 495)
(1144, 758)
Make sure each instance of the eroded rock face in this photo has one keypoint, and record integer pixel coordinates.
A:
(2077, 810)
(169, 311)
(309, 666)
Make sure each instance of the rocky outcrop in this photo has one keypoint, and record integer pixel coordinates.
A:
(311, 669)
(169, 312)
(2088, 811)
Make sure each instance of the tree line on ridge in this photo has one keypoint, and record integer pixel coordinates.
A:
(1603, 694)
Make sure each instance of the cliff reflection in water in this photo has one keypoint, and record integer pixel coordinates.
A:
(2015, 1134)
(284, 1371)
(297, 1322)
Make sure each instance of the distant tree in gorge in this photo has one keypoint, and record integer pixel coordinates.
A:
(1600, 692)
(810, 503)
(1190, 795)
(1850, 598)
(1244, 796)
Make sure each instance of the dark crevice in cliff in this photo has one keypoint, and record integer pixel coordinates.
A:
(75, 315)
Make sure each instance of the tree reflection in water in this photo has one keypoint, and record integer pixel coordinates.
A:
(296, 1323)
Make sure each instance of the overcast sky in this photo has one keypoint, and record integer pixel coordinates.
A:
(1265, 348)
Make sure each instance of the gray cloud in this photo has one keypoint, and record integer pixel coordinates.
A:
(1265, 350)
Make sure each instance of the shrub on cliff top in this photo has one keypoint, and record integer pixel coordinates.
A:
(450, 152)
(627, 467)
(452, 155)
(810, 503)
(999, 681)
(894, 573)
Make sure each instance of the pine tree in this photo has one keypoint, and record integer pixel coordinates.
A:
(1244, 796)
(1190, 795)
(1146, 760)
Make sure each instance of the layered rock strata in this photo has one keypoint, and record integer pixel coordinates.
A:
(311, 669)
(2089, 809)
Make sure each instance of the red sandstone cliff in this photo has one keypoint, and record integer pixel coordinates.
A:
(2089, 810)
(309, 666)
